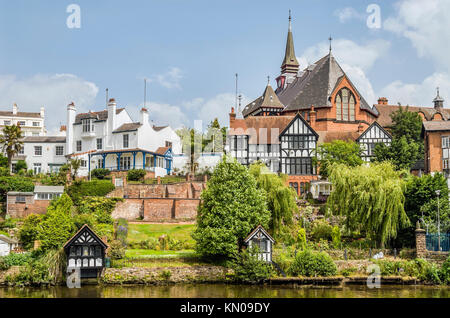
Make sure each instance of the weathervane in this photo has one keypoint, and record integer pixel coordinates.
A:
(330, 39)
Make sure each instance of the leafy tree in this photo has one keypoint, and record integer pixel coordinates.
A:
(28, 233)
(15, 183)
(11, 142)
(81, 189)
(20, 165)
(407, 144)
(75, 165)
(337, 151)
(191, 142)
(57, 225)
(232, 206)
(215, 138)
(280, 197)
(371, 198)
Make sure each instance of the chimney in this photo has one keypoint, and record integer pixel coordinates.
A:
(144, 116)
(63, 128)
(382, 101)
(312, 117)
(71, 111)
(232, 116)
(42, 112)
(112, 107)
(15, 109)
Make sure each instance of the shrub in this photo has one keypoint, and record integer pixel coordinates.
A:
(4, 172)
(308, 263)
(348, 271)
(14, 259)
(21, 165)
(121, 231)
(81, 189)
(445, 272)
(321, 229)
(248, 269)
(28, 233)
(116, 250)
(100, 173)
(35, 273)
(166, 274)
(8, 224)
(301, 238)
(136, 174)
(15, 183)
(336, 236)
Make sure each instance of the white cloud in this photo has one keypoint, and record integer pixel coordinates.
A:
(346, 14)
(354, 59)
(54, 92)
(419, 94)
(426, 25)
(170, 79)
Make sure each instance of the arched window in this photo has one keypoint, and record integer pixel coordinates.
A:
(345, 105)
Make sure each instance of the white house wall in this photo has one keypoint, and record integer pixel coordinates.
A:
(48, 155)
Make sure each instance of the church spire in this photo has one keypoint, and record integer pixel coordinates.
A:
(290, 63)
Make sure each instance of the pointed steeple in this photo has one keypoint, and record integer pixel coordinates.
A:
(438, 101)
(290, 63)
(270, 99)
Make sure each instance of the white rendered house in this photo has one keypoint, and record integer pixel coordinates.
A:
(32, 124)
(110, 139)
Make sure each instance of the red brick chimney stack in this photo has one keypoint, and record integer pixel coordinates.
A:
(382, 101)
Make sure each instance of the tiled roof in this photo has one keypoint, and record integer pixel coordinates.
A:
(20, 114)
(385, 112)
(257, 127)
(44, 139)
(158, 128)
(128, 127)
(101, 115)
(268, 99)
(7, 239)
(315, 85)
(436, 125)
(162, 150)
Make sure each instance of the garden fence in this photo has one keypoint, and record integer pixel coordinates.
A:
(433, 239)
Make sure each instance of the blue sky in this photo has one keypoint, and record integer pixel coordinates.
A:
(190, 50)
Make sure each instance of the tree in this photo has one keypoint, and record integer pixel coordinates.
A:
(280, 197)
(57, 225)
(21, 165)
(337, 151)
(371, 198)
(192, 147)
(28, 232)
(215, 138)
(407, 145)
(232, 206)
(75, 164)
(11, 141)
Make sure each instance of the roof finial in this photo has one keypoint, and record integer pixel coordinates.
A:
(268, 80)
(290, 19)
(330, 39)
(437, 89)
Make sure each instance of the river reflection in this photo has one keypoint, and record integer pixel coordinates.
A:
(227, 291)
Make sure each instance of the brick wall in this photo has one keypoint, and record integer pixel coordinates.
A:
(22, 210)
(433, 151)
(184, 190)
(421, 246)
(130, 209)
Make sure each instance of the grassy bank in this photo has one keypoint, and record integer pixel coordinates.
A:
(141, 232)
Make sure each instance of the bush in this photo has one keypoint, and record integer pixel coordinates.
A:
(35, 273)
(121, 231)
(445, 272)
(81, 189)
(21, 165)
(248, 269)
(8, 224)
(4, 172)
(28, 233)
(136, 174)
(14, 259)
(116, 250)
(15, 183)
(312, 264)
(321, 229)
(100, 173)
(301, 238)
(336, 236)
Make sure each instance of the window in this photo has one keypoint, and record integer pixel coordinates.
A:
(35, 134)
(47, 196)
(87, 125)
(84, 163)
(36, 124)
(7, 122)
(294, 185)
(100, 163)
(125, 140)
(38, 150)
(299, 166)
(168, 144)
(21, 123)
(78, 145)
(60, 150)
(445, 152)
(20, 199)
(125, 163)
(37, 168)
(22, 150)
(99, 143)
(345, 105)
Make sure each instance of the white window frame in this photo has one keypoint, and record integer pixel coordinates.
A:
(35, 151)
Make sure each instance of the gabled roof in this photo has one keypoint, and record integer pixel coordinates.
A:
(8, 239)
(268, 99)
(436, 125)
(127, 127)
(44, 139)
(370, 127)
(298, 116)
(158, 128)
(99, 116)
(315, 85)
(91, 232)
(20, 114)
(162, 150)
(259, 228)
(385, 111)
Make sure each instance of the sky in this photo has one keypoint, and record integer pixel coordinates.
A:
(190, 50)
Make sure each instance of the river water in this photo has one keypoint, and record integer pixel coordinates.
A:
(227, 291)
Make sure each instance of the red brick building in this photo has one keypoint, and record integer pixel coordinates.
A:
(283, 127)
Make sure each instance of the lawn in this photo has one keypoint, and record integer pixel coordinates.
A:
(140, 253)
(141, 232)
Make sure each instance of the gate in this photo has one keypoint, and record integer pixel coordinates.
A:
(433, 239)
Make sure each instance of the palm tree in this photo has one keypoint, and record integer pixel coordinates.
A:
(11, 142)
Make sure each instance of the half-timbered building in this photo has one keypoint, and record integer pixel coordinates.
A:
(86, 251)
(373, 135)
(260, 239)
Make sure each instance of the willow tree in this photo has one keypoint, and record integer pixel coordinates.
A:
(280, 197)
(371, 198)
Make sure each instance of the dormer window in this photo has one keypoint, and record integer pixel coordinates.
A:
(88, 125)
(345, 105)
